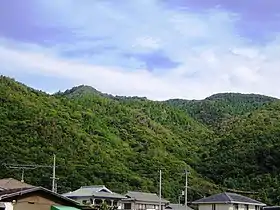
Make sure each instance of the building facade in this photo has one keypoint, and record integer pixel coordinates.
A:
(95, 195)
(35, 198)
(142, 201)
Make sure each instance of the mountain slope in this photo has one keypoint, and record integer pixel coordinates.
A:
(247, 156)
(216, 109)
(98, 140)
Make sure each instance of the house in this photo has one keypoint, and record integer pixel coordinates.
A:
(95, 195)
(35, 198)
(173, 206)
(228, 201)
(10, 183)
(142, 201)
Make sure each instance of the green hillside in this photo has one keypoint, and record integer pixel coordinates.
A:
(99, 140)
(247, 156)
(227, 141)
(219, 108)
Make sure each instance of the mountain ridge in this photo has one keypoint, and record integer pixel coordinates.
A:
(123, 146)
(122, 142)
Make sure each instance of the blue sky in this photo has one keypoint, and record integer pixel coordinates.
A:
(154, 48)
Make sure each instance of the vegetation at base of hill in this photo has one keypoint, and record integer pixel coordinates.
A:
(217, 109)
(247, 156)
(227, 141)
(98, 140)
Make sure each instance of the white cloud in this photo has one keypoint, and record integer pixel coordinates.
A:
(212, 56)
(229, 73)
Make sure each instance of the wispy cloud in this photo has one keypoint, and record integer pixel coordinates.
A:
(145, 48)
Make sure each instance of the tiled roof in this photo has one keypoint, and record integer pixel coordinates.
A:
(10, 183)
(95, 191)
(142, 196)
(97, 188)
(8, 194)
(228, 198)
(177, 207)
(12, 191)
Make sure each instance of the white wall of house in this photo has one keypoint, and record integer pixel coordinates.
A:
(226, 207)
(143, 206)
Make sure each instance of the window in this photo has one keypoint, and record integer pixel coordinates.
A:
(127, 206)
(213, 206)
(246, 207)
(257, 207)
(235, 206)
(98, 201)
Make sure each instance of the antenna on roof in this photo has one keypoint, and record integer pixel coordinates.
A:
(24, 167)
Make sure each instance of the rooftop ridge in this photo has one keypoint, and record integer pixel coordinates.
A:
(142, 192)
(94, 186)
(228, 196)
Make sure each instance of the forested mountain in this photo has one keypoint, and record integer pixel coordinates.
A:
(124, 141)
(247, 156)
(216, 109)
(98, 140)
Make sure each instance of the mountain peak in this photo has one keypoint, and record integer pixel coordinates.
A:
(80, 90)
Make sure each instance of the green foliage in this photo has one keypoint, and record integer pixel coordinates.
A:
(226, 141)
(100, 140)
(247, 155)
(218, 109)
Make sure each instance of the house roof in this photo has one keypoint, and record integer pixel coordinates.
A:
(177, 207)
(10, 183)
(228, 198)
(97, 188)
(8, 194)
(95, 191)
(142, 196)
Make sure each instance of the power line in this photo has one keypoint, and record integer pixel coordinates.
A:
(24, 167)
(33, 166)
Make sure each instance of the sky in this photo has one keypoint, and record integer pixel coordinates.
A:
(159, 49)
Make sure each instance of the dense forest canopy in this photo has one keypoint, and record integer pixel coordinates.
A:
(226, 141)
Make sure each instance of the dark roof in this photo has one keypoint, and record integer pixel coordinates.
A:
(228, 198)
(12, 191)
(10, 183)
(142, 196)
(177, 207)
(8, 194)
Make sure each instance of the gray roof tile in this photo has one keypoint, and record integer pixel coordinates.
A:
(177, 207)
(228, 198)
(93, 191)
(142, 196)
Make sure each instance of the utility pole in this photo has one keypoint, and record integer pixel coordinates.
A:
(22, 175)
(24, 167)
(53, 177)
(186, 190)
(159, 190)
